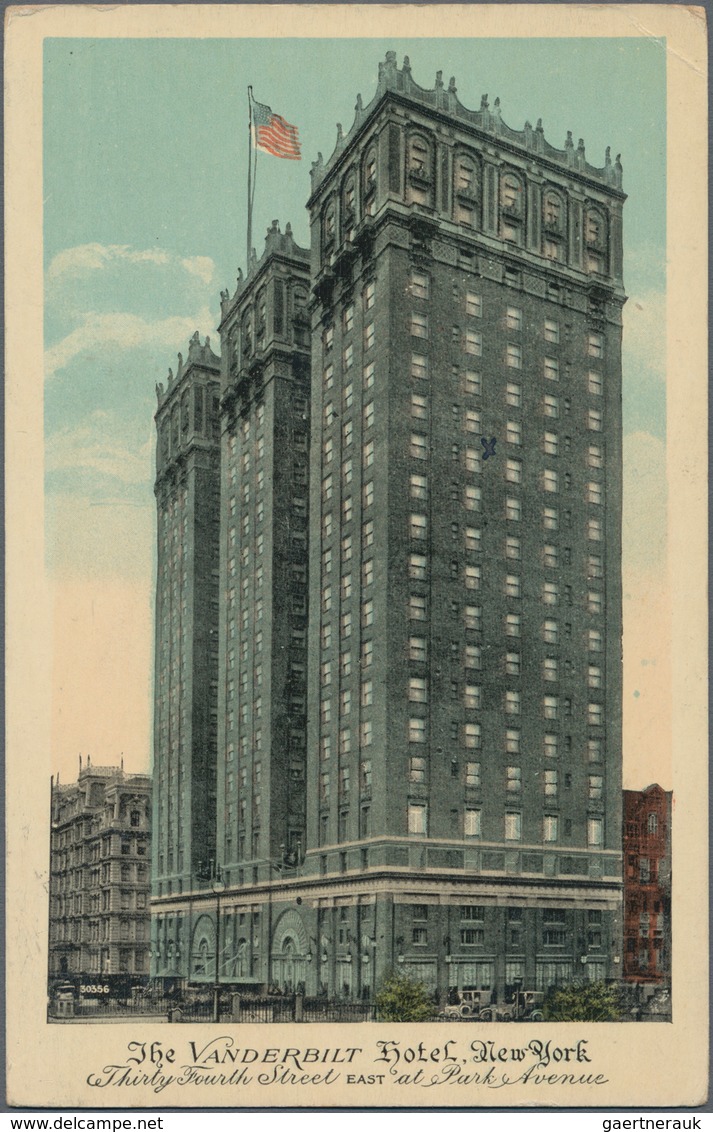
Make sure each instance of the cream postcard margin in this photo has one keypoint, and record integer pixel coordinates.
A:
(659, 1065)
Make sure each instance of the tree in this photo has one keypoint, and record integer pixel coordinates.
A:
(404, 1000)
(583, 1002)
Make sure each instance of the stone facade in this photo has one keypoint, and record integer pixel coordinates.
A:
(100, 847)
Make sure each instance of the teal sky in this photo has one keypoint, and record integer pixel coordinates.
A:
(145, 150)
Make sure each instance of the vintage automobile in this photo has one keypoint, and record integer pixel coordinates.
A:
(476, 1006)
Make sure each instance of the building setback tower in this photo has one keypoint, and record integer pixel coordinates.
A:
(186, 644)
(464, 748)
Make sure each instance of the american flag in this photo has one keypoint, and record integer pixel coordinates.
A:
(272, 134)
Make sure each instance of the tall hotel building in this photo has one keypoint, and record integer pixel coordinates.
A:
(460, 782)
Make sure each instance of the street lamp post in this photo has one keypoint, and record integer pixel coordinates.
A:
(218, 885)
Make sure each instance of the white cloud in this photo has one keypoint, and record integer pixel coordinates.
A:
(122, 331)
(85, 258)
(90, 447)
(200, 265)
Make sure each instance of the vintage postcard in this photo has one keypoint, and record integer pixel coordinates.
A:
(356, 492)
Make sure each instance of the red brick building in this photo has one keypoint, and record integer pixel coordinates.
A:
(647, 885)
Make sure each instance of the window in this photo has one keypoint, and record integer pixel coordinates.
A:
(471, 576)
(471, 736)
(512, 548)
(419, 325)
(513, 826)
(594, 383)
(549, 668)
(551, 407)
(550, 556)
(417, 769)
(472, 775)
(368, 494)
(471, 696)
(513, 355)
(551, 746)
(419, 446)
(512, 509)
(549, 480)
(471, 616)
(417, 607)
(369, 335)
(419, 365)
(513, 779)
(472, 497)
(513, 318)
(512, 663)
(471, 821)
(346, 548)
(417, 730)
(419, 487)
(346, 624)
(513, 471)
(512, 585)
(417, 818)
(550, 519)
(369, 414)
(347, 509)
(596, 787)
(513, 432)
(595, 715)
(347, 433)
(348, 356)
(512, 703)
(595, 831)
(594, 420)
(552, 369)
(595, 346)
(471, 458)
(472, 421)
(417, 648)
(512, 625)
(417, 691)
(417, 526)
(595, 602)
(552, 330)
(594, 493)
(472, 538)
(594, 676)
(419, 285)
(419, 406)
(513, 396)
(417, 567)
(349, 318)
(594, 530)
(367, 533)
(595, 458)
(473, 343)
(551, 445)
(550, 828)
(473, 304)
(551, 783)
(550, 706)
(550, 593)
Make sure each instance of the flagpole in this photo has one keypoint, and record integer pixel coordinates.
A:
(250, 203)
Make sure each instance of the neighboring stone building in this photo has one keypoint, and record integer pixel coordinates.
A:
(463, 750)
(647, 885)
(100, 846)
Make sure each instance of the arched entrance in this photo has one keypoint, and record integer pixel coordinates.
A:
(290, 952)
(203, 949)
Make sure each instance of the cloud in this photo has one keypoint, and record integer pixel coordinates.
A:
(93, 447)
(86, 258)
(202, 266)
(123, 331)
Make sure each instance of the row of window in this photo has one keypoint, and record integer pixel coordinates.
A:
(512, 779)
(511, 703)
(417, 824)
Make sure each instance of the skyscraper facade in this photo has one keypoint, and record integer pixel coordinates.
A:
(462, 766)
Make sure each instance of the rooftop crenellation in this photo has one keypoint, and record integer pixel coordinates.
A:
(487, 119)
(199, 353)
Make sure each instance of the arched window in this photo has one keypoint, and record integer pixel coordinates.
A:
(465, 189)
(554, 218)
(420, 169)
(348, 206)
(329, 221)
(595, 240)
(247, 333)
(369, 182)
(652, 824)
(512, 207)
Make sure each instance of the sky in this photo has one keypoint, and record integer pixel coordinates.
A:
(145, 158)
